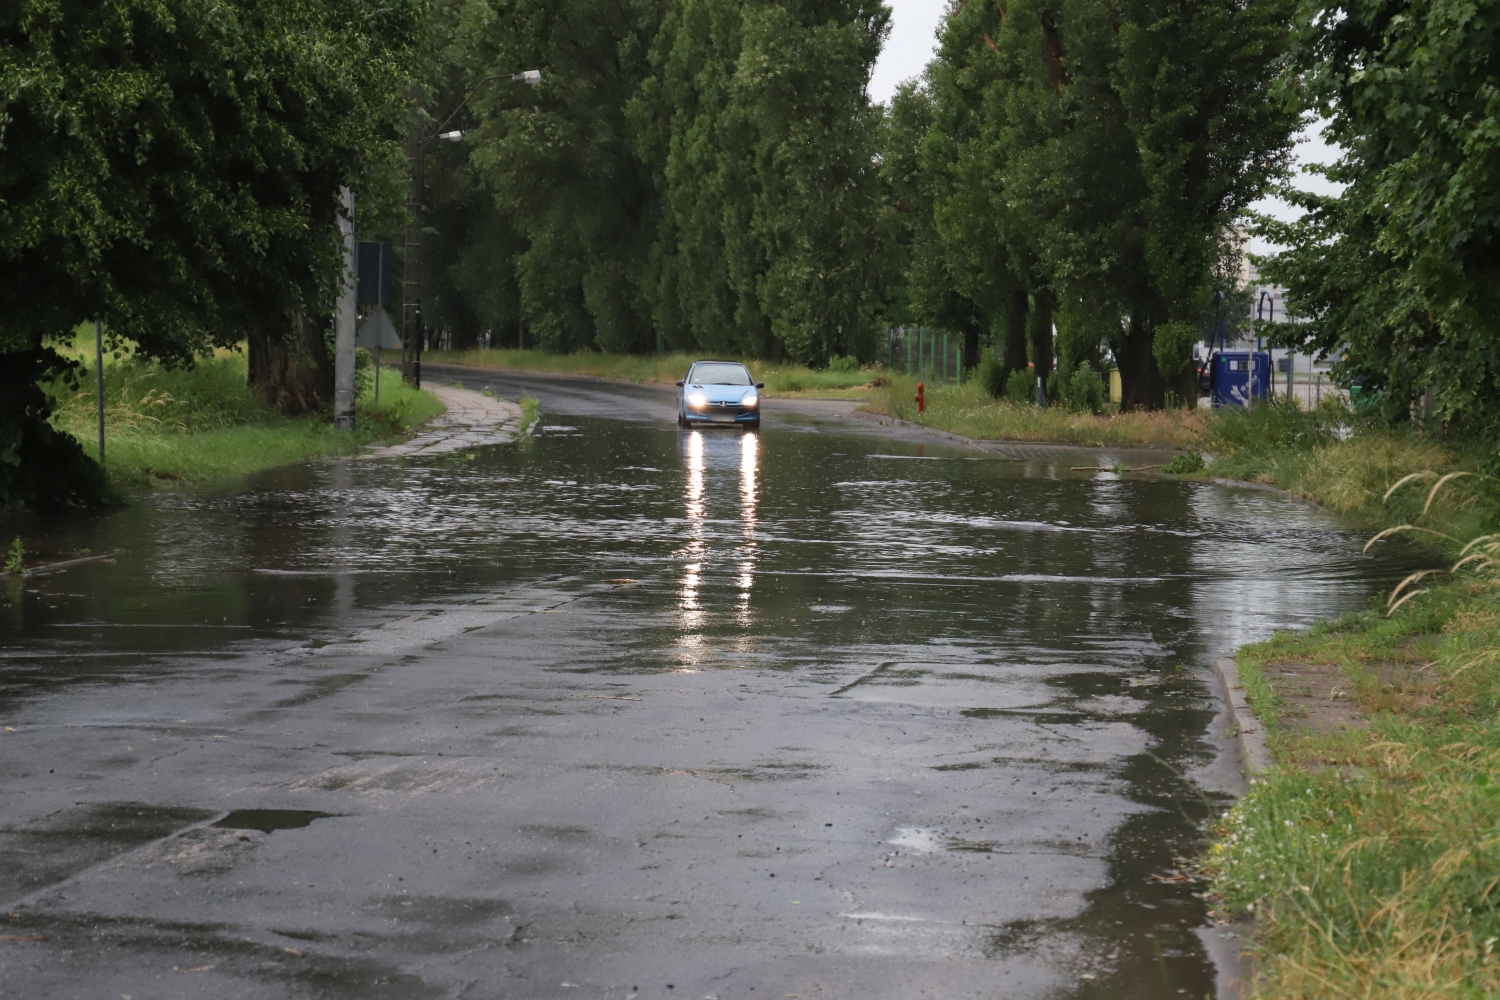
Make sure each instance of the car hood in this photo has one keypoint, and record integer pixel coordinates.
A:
(721, 393)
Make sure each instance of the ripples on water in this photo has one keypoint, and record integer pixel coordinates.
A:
(1052, 607)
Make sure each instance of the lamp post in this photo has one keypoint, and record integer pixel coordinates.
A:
(411, 277)
(99, 366)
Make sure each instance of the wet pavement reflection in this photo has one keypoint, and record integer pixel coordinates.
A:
(951, 704)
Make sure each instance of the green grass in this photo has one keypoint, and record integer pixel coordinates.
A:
(528, 412)
(204, 422)
(780, 379)
(1330, 457)
(968, 410)
(1371, 858)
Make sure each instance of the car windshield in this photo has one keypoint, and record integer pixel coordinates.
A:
(720, 375)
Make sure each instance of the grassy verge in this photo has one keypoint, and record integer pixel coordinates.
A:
(205, 422)
(1370, 854)
(1370, 858)
(780, 379)
(1327, 456)
(968, 410)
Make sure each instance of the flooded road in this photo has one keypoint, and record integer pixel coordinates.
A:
(622, 711)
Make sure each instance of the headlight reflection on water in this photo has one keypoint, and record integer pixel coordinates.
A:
(697, 546)
(706, 487)
(749, 459)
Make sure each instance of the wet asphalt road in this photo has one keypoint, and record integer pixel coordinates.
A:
(622, 711)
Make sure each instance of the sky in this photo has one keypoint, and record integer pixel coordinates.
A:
(914, 27)
(910, 46)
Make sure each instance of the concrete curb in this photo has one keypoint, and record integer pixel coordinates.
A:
(1248, 732)
(471, 420)
(1236, 969)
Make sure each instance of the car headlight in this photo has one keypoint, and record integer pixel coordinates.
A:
(750, 400)
(697, 400)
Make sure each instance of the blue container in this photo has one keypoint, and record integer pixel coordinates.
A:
(1240, 376)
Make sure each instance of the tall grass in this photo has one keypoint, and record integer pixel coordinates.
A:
(1327, 455)
(780, 379)
(969, 410)
(205, 422)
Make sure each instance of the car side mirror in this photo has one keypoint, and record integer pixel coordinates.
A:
(760, 385)
(679, 383)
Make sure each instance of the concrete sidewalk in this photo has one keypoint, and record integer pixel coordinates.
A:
(472, 419)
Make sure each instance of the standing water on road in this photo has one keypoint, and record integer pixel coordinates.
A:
(625, 711)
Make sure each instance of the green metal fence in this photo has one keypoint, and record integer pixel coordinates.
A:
(925, 352)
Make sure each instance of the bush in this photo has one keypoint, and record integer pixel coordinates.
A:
(1182, 465)
(1277, 424)
(990, 373)
(364, 373)
(1083, 390)
(838, 364)
(39, 466)
(1020, 387)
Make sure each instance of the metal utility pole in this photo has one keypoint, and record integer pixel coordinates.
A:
(344, 323)
(411, 275)
(411, 278)
(99, 363)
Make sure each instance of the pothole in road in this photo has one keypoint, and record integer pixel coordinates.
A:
(271, 820)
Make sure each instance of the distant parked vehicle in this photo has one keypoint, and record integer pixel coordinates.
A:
(718, 392)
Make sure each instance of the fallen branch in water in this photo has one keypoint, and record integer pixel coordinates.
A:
(1112, 468)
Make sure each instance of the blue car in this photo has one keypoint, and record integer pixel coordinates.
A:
(718, 392)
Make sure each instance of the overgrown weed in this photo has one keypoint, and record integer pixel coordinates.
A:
(969, 410)
(204, 422)
(528, 413)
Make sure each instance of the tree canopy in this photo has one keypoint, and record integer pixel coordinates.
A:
(704, 172)
(172, 168)
(711, 175)
(1398, 277)
(1094, 158)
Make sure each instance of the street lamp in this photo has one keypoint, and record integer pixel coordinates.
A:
(411, 278)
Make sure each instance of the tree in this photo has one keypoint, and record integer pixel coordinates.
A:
(559, 163)
(967, 262)
(172, 167)
(928, 293)
(818, 210)
(1112, 147)
(704, 172)
(1403, 266)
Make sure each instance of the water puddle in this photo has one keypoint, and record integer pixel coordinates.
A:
(271, 820)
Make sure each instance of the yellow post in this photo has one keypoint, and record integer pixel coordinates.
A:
(1116, 389)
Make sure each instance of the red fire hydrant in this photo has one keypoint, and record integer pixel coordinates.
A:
(921, 398)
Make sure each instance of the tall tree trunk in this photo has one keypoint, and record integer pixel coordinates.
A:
(292, 370)
(971, 347)
(1141, 384)
(1015, 332)
(1041, 333)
